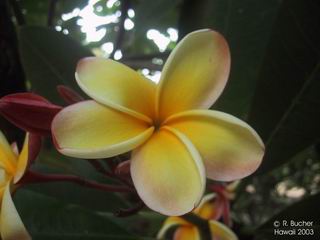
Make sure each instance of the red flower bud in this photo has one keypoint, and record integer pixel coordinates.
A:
(29, 112)
(123, 168)
(69, 95)
(35, 143)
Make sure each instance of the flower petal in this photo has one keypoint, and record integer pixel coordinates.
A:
(230, 148)
(169, 223)
(168, 173)
(187, 233)
(117, 86)
(221, 232)
(8, 159)
(22, 160)
(11, 226)
(91, 130)
(195, 73)
(210, 207)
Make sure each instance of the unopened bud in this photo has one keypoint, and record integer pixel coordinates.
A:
(29, 112)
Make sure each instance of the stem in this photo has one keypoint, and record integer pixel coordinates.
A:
(111, 164)
(34, 177)
(130, 211)
(226, 212)
(98, 166)
(202, 224)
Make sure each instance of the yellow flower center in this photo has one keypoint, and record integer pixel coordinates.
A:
(157, 124)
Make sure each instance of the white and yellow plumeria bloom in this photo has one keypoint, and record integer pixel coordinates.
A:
(187, 231)
(12, 168)
(176, 141)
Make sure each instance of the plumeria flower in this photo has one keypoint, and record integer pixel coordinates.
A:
(176, 141)
(12, 168)
(185, 230)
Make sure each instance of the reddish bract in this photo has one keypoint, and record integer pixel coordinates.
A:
(29, 112)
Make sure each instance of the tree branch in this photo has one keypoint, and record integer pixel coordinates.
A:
(34, 177)
(17, 12)
(51, 12)
(135, 64)
(125, 4)
(150, 56)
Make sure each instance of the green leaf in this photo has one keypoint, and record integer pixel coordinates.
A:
(50, 161)
(146, 223)
(45, 216)
(304, 210)
(35, 12)
(286, 107)
(247, 26)
(49, 58)
(81, 195)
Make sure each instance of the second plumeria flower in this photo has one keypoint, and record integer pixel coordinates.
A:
(12, 168)
(185, 230)
(176, 141)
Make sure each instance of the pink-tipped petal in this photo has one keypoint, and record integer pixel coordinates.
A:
(168, 173)
(195, 73)
(230, 148)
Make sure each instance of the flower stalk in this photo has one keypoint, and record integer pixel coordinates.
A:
(34, 177)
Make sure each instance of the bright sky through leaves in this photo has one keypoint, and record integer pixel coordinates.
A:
(89, 23)
(95, 29)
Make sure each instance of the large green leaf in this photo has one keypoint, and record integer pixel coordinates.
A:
(45, 216)
(304, 210)
(74, 194)
(247, 26)
(286, 107)
(49, 58)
